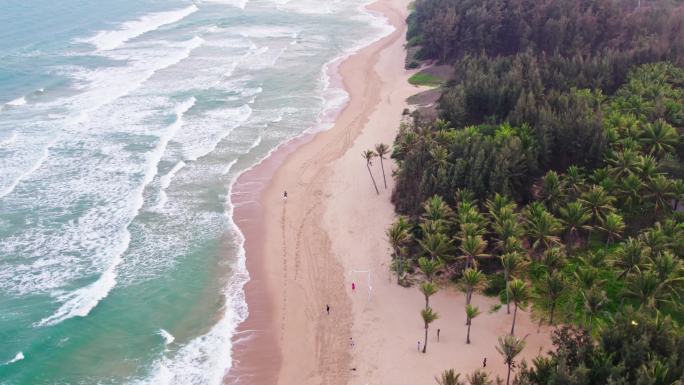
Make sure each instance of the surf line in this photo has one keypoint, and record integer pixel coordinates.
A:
(81, 302)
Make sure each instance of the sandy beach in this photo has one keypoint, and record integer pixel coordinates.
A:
(304, 254)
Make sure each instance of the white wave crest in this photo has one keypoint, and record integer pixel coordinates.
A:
(168, 337)
(165, 182)
(35, 166)
(112, 39)
(235, 3)
(17, 102)
(18, 357)
(80, 302)
(10, 139)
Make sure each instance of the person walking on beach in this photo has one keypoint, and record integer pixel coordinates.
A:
(418, 345)
(285, 195)
(484, 363)
(438, 330)
(327, 309)
(353, 286)
(351, 342)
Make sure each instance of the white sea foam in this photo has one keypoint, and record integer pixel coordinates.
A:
(202, 135)
(79, 303)
(111, 39)
(45, 152)
(18, 357)
(17, 102)
(207, 358)
(168, 337)
(165, 182)
(235, 3)
(9, 140)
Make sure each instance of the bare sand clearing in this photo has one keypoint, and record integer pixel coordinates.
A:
(304, 253)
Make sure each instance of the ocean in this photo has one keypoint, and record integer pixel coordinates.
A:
(123, 126)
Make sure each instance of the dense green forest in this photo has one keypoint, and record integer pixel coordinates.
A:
(553, 178)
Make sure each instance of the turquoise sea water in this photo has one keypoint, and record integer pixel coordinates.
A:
(122, 127)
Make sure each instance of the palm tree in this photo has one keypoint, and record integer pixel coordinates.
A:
(552, 287)
(437, 210)
(381, 150)
(661, 192)
(511, 263)
(594, 301)
(624, 163)
(575, 218)
(598, 201)
(519, 293)
(506, 229)
(659, 138)
(429, 316)
(479, 378)
(613, 226)
(471, 312)
(472, 247)
(552, 190)
(542, 228)
(509, 348)
(575, 180)
(630, 257)
(399, 236)
(368, 155)
(428, 267)
(472, 279)
(554, 258)
(428, 289)
(437, 246)
(449, 377)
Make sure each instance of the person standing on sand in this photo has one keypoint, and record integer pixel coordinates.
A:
(327, 309)
(285, 195)
(419, 346)
(438, 330)
(484, 363)
(353, 286)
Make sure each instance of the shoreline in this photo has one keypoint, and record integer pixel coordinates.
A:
(260, 362)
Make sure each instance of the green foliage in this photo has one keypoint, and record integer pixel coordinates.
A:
(425, 79)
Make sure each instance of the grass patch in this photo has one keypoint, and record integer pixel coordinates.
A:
(425, 79)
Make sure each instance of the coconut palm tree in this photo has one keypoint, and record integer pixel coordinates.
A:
(429, 267)
(437, 246)
(551, 288)
(429, 316)
(479, 377)
(575, 218)
(511, 263)
(399, 236)
(428, 289)
(509, 348)
(631, 257)
(598, 202)
(613, 226)
(381, 150)
(519, 293)
(506, 229)
(554, 258)
(368, 155)
(575, 180)
(661, 193)
(473, 247)
(437, 210)
(552, 190)
(624, 163)
(594, 301)
(449, 377)
(659, 138)
(472, 279)
(471, 312)
(542, 229)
